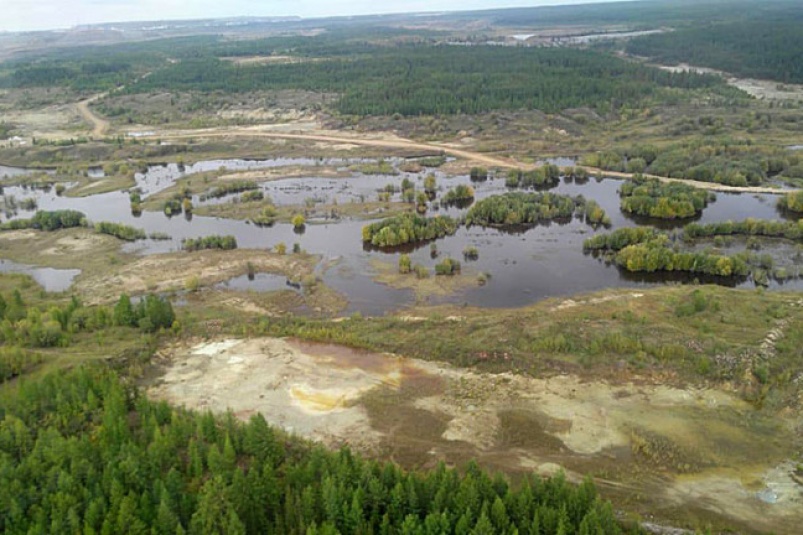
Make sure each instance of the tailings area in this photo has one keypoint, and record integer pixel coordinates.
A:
(677, 452)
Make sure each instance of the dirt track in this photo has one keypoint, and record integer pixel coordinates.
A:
(99, 125)
(480, 158)
(395, 143)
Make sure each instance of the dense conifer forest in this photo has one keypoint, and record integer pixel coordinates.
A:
(85, 452)
(758, 49)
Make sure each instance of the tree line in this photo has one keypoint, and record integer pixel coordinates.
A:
(423, 79)
(120, 231)
(729, 162)
(86, 452)
(790, 230)
(225, 243)
(767, 49)
(48, 220)
(227, 188)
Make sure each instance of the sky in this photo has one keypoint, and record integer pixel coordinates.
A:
(26, 15)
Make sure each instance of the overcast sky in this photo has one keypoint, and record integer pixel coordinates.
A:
(23, 15)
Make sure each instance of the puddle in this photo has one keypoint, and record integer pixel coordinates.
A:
(260, 282)
(51, 279)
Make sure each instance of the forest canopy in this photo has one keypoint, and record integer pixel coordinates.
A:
(758, 49)
(84, 452)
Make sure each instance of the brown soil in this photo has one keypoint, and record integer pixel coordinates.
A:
(659, 448)
(178, 271)
(432, 286)
(390, 141)
(99, 125)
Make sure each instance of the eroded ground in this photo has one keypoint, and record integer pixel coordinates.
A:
(702, 452)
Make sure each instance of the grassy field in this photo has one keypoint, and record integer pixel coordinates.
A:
(672, 334)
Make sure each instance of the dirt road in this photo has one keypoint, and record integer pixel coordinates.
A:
(394, 143)
(99, 125)
(476, 157)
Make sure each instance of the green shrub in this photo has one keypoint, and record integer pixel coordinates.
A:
(209, 242)
(448, 267)
(407, 228)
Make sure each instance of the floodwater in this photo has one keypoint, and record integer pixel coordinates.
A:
(525, 266)
(52, 280)
(261, 282)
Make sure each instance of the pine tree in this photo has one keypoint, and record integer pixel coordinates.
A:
(124, 313)
(215, 514)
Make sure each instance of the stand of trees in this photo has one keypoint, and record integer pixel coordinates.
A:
(447, 266)
(48, 220)
(209, 242)
(123, 232)
(150, 314)
(664, 200)
(730, 162)
(789, 230)
(421, 79)
(238, 186)
(85, 452)
(642, 249)
(768, 49)
(407, 228)
(655, 256)
(24, 326)
(518, 208)
(593, 213)
(620, 238)
(546, 176)
(478, 174)
(458, 194)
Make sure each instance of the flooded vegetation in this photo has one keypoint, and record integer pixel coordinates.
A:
(525, 264)
(327, 276)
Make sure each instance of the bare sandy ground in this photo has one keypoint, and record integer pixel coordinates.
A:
(58, 121)
(390, 141)
(762, 89)
(672, 447)
(309, 130)
(172, 271)
(99, 125)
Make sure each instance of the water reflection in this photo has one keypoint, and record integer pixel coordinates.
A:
(52, 280)
(526, 264)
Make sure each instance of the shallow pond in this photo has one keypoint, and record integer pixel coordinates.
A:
(52, 280)
(261, 282)
(543, 261)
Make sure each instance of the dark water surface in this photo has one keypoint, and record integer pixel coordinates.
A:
(526, 266)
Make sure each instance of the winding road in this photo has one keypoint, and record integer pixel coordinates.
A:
(101, 127)
(476, 157)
